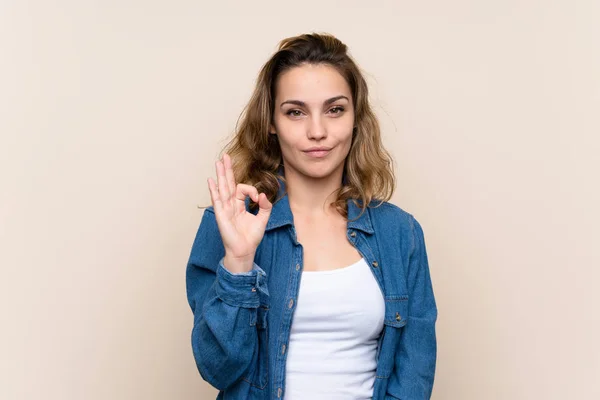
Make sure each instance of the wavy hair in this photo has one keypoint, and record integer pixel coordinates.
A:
(256, 154)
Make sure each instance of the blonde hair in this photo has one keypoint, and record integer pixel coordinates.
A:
(256, 155)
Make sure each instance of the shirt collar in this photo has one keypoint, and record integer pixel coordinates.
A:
(281, 214)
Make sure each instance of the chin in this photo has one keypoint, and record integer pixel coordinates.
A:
(318, 171)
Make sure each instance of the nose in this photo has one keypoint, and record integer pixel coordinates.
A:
(316, 129)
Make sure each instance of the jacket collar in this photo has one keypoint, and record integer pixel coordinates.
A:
(281, 214)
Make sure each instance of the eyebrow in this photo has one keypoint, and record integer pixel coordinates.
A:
(303, 104)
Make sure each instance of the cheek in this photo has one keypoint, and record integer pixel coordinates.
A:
(289, 132)
(285, 139)
(342, 129)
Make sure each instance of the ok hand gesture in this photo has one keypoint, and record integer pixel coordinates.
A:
(240, 230)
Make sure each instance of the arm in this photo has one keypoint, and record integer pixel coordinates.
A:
(224, 338)
(416, 355)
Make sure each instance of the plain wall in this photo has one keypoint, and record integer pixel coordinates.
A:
(112, 114)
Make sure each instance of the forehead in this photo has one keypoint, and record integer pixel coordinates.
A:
(311, 83)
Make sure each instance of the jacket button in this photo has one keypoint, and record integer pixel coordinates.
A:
(283, 349)
(297, 267)
(279, 392)
(291, 303)
(353, 234)
(375, 264)
(398, 317)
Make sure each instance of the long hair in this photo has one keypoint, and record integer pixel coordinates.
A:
(256, 155)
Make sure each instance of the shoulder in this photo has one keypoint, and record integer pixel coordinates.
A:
(208, 218)
(210, 210)
(207, 230)
(388, 213)
(394, 224)
(400, 241)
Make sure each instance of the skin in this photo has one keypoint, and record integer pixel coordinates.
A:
(240, 230)
(312, 182)
(313, 108)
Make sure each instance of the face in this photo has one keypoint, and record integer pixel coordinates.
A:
(313, 118)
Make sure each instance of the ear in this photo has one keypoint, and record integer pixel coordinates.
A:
(272, 129)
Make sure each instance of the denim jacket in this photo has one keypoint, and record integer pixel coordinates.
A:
(242, 321)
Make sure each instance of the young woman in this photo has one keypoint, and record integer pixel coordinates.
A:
(305, 283)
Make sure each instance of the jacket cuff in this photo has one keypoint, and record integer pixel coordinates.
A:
(241, 290)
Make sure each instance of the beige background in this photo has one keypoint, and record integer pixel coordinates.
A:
(112, 113)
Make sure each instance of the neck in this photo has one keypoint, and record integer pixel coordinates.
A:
(310, 196)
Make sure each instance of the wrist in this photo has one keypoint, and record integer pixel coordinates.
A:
(238, 265)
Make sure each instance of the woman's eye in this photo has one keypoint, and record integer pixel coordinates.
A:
(294, 113)
(337, 110)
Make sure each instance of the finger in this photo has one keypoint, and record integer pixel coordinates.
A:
(229, 173)
(243, 190)
(264, 206)
(224, 193)
(214, 195)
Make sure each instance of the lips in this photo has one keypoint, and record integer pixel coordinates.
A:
(318, 148)
(317, 152)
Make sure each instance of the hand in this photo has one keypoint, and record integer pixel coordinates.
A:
(240, 230)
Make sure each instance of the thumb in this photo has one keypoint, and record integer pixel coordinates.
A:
(264, 207)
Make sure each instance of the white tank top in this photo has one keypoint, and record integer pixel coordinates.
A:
(333, 340)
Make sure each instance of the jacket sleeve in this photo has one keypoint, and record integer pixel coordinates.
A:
(224, 335)
(415, 359)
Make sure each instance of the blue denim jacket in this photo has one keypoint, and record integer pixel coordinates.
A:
(242, 322)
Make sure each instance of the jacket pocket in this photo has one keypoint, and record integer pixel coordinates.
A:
(258, 373)
(396, 310)
(396, 317)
